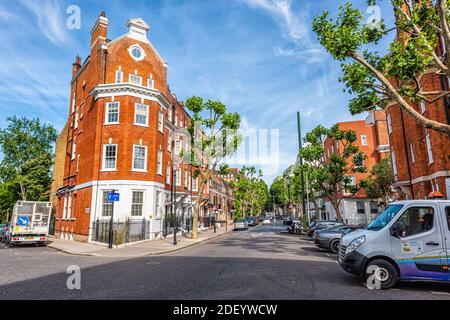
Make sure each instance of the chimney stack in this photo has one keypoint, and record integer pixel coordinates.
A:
(76, 65)
(100, 30)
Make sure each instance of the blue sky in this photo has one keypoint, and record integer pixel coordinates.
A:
(260, 57)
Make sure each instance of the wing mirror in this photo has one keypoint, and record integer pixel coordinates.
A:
(398, 229)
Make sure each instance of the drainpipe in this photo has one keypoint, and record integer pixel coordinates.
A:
(406, 153)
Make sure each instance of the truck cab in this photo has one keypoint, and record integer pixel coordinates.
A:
(409, 240)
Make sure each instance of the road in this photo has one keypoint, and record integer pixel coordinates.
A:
(261, 264)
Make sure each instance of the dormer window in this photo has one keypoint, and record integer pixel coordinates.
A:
(151, 83)
(119, 76)
(134, 79)
(136, 52)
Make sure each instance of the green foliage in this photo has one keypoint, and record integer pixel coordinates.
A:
(367, 75)
(278, 191)
(251, 192)
(332, 175)
(25, 171)
(378, 186)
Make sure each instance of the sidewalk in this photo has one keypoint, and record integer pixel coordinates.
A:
(146, 248)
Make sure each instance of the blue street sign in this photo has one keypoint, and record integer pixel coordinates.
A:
(113, 197)
(23, 221)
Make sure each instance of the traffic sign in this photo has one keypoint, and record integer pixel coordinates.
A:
(113, 197)
(23, 221)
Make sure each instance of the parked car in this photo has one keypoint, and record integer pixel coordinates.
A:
(330, 238)
(251, 221)
(322, 224)
(241, 224)
(266, 222)
(409, 240)
(2, 231)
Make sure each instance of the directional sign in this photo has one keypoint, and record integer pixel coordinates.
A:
(113, 197)
(23, 221)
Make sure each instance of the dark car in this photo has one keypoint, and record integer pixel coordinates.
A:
(330, 239)
(251, 222)
(322, 224)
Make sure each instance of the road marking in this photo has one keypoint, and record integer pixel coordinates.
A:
(440, 293)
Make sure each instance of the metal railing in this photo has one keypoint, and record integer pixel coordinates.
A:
(124, 232)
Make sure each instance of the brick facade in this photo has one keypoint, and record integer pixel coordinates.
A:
(121, 119)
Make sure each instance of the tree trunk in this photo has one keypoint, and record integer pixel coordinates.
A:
(195, 220)
(336, 208)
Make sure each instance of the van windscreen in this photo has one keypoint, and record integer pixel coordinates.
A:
(385, 217)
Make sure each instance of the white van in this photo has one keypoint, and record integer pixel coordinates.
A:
(410, 240)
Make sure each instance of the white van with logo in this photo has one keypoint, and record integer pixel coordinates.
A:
(409, 240)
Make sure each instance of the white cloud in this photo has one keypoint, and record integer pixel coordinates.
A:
(5, 15)
(49, 19)
(292, 23)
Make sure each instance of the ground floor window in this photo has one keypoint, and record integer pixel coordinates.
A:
(137, 203)
(360, 207)
(107, 206)
(373, 207)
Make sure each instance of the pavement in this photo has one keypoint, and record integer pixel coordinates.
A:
(144, 248)
(259, 264)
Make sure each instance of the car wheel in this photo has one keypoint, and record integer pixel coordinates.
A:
(381, 274)
(299, 231)
(334, 246)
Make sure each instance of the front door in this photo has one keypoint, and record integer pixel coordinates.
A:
(420, 248)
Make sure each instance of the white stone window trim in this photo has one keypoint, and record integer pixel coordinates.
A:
(108, 105)
(138, 47)
(134, 158)
(135, 114)
(104, 157)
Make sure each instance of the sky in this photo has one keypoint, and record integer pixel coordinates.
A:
(259, 57)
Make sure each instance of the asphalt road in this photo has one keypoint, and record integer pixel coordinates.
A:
(258, 264)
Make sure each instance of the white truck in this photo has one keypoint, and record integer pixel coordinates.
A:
(30, 223)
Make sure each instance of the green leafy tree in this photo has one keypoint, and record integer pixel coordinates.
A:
(331, 175)
(369, 76)
(25, 170)
(278, 192)
(380, 181)
(214, 136)
(251, 192)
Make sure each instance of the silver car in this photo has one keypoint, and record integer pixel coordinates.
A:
(330, 239)
(241, 224)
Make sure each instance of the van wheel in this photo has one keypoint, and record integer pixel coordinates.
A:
(334, 246)
(381, 274)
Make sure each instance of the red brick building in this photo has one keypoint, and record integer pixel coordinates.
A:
(123, 120)
(372, 140)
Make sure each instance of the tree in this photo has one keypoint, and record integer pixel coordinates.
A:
(332, 174)
(251, 192)
(214, 136)
(278, 192)
(380, 181)
(25, 170)
(369, 76)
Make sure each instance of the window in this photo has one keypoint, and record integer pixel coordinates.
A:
(394, 163)
(141, 114)
(112, 113)
(363, 140)
(160, 121)
(109, 157)
(134, 79)
(137, 53)
(416, 220)
(350, 183)
(107, 206)
(151, 83)
(389, 123)
(169, 142)
(159, 168)
(74, 149)
(411, 150)
(169, 114)
(69, 207)
(65, 208)
(423, 106)
(360, 207)
(75, 121)
(158, 204)
(178, 180)
(139, 158)
(358, 162)
(176, 118)
(168, 174)
(195, 184)
(429, 148)
(78, 163)
(177, 147)
(373, 207)
(73, 103)
(447, 211)
(119, 76)
(137, 203)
